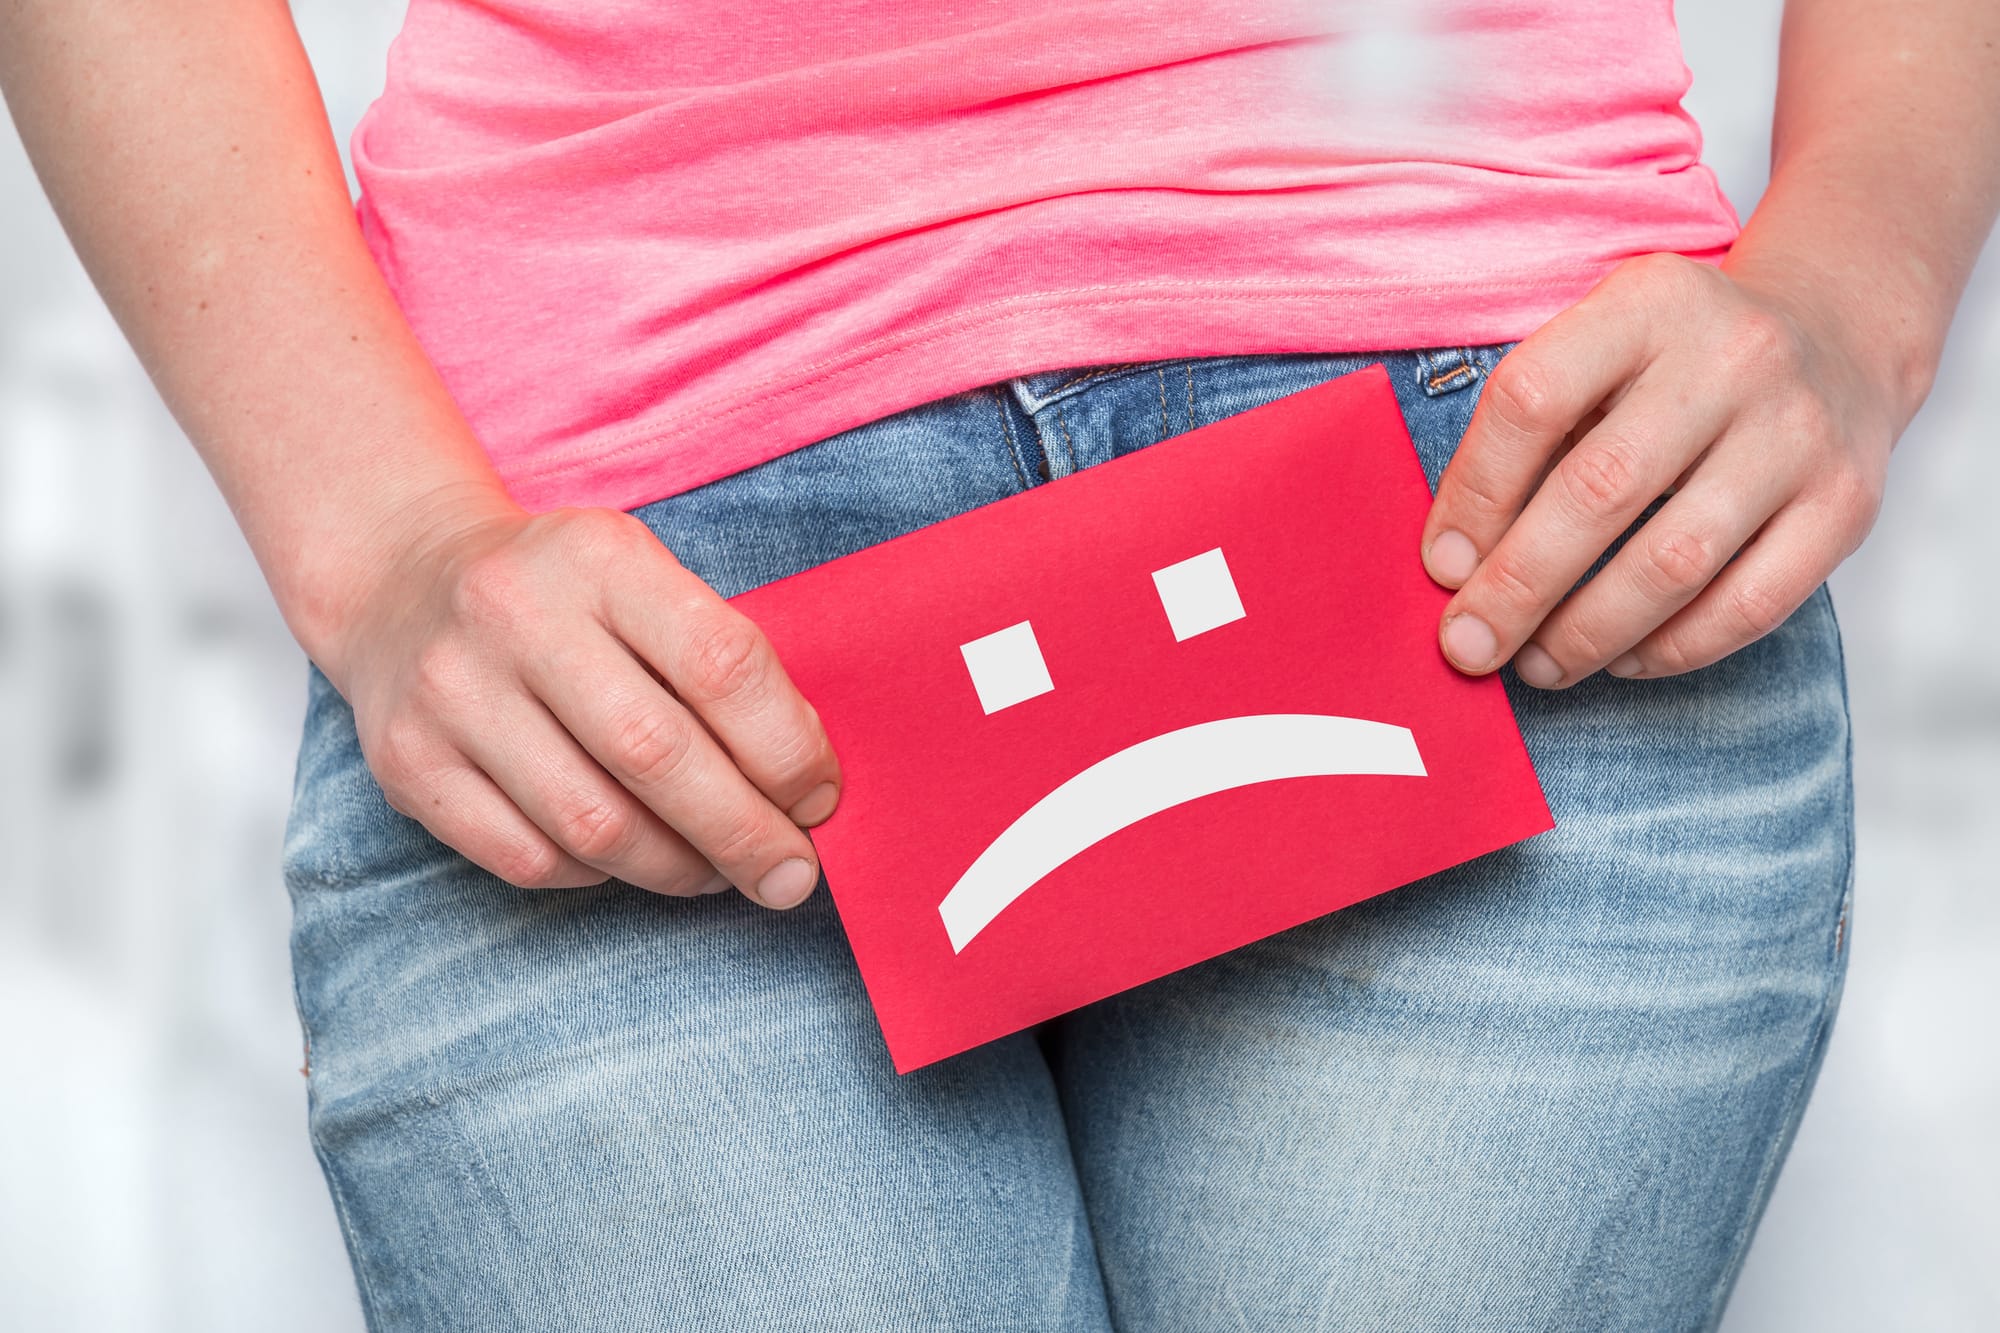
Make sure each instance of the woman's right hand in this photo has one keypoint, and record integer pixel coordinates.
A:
(557, 698)
(553, 695)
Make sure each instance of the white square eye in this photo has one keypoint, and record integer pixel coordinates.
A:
(1198, 594)
(1006, 667)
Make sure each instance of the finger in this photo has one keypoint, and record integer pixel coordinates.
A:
(468, 812)
(723, 668)
(1534, 398)
(562, 788)
(657, 750)
(1588, 499)
(1753, 595)
(1660, 568)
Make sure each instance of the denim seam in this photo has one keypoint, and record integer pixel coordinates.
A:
(1166, 427)
(1829, 1006)
(1104, 374)
(343, 1214)
(1069, 445)
(1066, 1115)
(1841, 928)
(477, 1172)
(1780, 1147)
(1007, 435)
(1094, 374)
(1157, 366)
(1188, 364)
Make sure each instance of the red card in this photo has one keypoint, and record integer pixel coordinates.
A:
(1142, 715)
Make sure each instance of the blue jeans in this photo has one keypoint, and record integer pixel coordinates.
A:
(1549, 1088)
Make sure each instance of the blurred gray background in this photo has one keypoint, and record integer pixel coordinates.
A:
(154, 1166)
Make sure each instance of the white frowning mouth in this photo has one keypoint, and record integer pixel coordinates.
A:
(1157, 774)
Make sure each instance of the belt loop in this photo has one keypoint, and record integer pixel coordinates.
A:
(1445, 370)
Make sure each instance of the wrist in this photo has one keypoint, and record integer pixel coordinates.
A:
(1856, 292)
(327, 590)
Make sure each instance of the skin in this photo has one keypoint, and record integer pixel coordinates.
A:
(1761, 397)
(557, 698)
(553, 695)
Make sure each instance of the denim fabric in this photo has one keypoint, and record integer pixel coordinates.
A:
(1547, 1089)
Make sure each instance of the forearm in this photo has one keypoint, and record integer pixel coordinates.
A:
(186, 150)
(1885, 175)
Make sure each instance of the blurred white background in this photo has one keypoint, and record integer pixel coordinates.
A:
(154, 1166)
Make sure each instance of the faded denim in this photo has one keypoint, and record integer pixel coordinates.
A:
(1547, 1089)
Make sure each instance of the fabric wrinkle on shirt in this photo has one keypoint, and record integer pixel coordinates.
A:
(648, 245)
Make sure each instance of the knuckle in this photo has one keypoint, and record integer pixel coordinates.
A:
(805, 756)
(1598, 481)
(739, 842)
(726, 657)
(688, 880)
(1576, 644)
(1756, 340)
(1474, 493)
(1808, 418)
(596, 830)
(1659, 266)
(1670, 655)
(532, 865)
(400, 751)
(1507, 583)
(399, 789)
(1661, 277)
(1677, 563)
(1522, 396)
(397, 794)
(796, 752)
(441, 671)
(596, 536)
(1857, 497)
(488, 590)
(652, 745)
(1757, 607)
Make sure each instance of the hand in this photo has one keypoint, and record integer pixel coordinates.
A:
(1671, 377)
(557, 698)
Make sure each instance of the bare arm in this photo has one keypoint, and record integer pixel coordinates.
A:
(1762, 397)
(186, 149)
(495, 659)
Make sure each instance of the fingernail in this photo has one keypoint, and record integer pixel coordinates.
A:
(1628, 665)
(1469, 641)
(815, 805)
(787, 883)
(1451, 558)
(1534, 665)
(716, 884)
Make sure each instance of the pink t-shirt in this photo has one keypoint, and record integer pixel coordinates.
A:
(649, 243)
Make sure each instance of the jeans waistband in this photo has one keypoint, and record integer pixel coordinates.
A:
(1441, 370)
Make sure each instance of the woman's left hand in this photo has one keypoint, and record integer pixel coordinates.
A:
(1753, 411)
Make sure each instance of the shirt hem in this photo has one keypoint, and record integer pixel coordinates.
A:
(639, 462)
